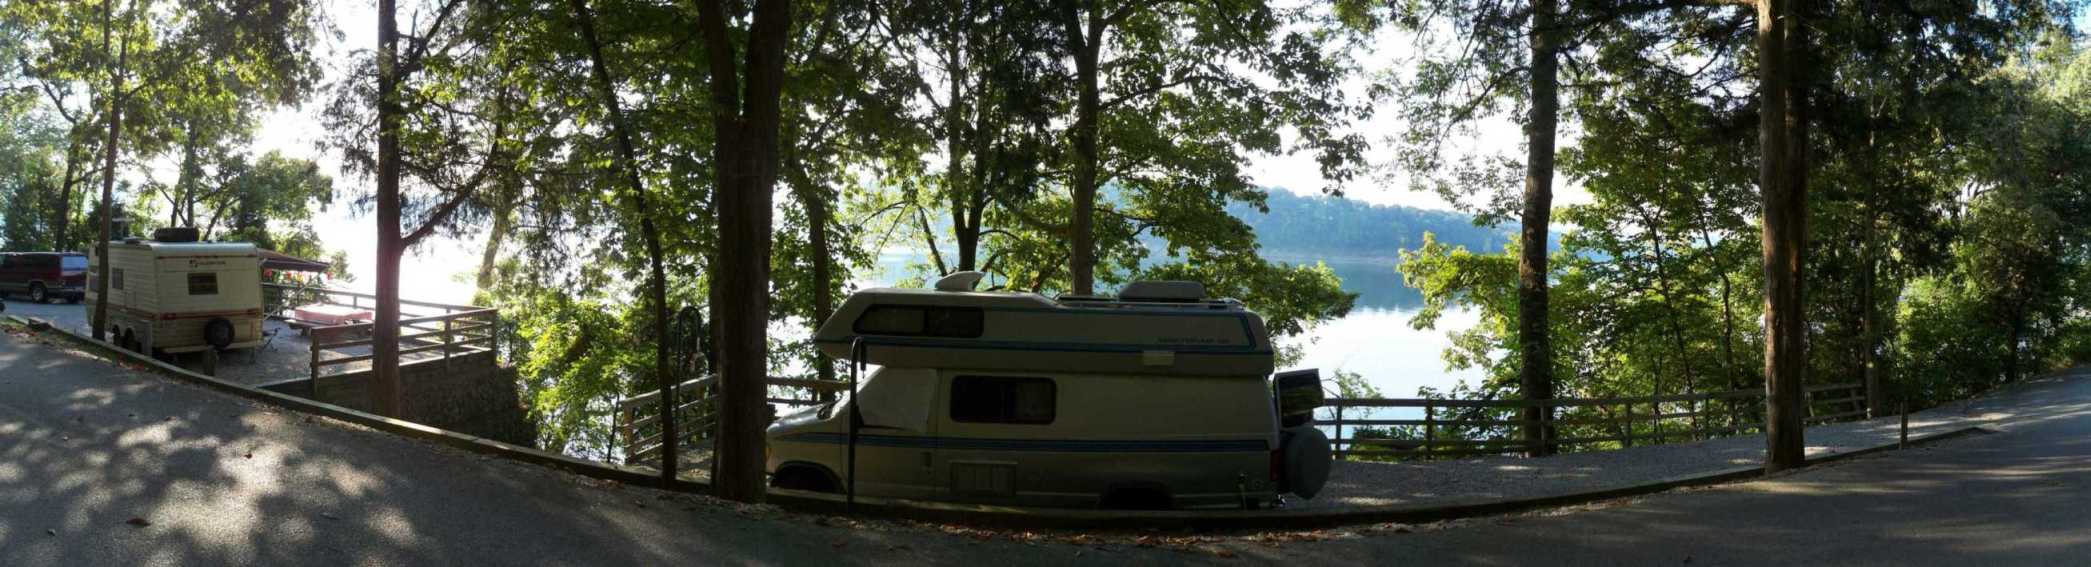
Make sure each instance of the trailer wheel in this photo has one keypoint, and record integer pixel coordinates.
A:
(129, 341)
(218, 333)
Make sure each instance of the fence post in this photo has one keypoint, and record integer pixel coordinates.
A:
(315, 336)
(1337, 443)
(1628, 439)
(1430, 429)
(1903, 443)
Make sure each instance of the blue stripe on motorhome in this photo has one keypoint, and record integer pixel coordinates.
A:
(1037, 445)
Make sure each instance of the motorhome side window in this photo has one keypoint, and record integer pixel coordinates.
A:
(1003, 399)
(203, 283)
(920, 321)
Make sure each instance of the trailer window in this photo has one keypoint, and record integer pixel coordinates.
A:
(203, 283)
(116, 278)
(1003, 399)
(920, 321)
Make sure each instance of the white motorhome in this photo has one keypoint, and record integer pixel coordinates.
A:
(178, 297)
(1156, 398)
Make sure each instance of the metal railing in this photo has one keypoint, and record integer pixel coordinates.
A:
(696, 405)
(457, 330)
(1466, 428)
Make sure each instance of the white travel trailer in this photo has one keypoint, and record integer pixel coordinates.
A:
(178, 297)
(1156, 398)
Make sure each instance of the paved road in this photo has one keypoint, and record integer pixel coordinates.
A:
(85, 447)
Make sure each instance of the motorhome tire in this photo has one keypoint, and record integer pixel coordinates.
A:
(218, 333)
(1306, 466)
(37, 293)
(810, 478)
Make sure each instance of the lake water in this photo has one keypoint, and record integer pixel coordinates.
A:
(1374, 340)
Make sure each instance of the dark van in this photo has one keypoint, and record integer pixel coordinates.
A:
(44, 276)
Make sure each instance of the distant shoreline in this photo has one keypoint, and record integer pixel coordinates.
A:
(1299, 255)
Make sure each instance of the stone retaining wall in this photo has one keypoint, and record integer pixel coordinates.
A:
(466, 393)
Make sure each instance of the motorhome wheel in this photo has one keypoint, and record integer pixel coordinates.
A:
(1306, 466)
(218, 333)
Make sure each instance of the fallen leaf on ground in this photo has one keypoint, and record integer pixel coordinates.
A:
(139, 522)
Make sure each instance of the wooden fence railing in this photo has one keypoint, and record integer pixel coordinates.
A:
(457, 329)
(1465, 428)
(696, 400)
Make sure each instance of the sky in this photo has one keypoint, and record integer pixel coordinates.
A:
(432, 271)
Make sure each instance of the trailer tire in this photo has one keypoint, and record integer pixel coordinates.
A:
(218, 333)
(1306, 465)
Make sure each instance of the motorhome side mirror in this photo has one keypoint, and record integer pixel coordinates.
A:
(1299, 394)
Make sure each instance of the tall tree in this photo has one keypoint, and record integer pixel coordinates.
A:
(384, 349)
(1189, 87)
(114, 96)
(1535, 372)
(1782, 55)
(746, 119)
(657, 300)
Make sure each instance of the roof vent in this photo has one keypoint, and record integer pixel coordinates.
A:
(175, 234)
(959, 281)
(1163, 291)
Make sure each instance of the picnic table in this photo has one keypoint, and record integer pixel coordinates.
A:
(304, 319)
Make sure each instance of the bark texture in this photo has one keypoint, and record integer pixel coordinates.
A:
(1536, 361)
(1783, 177)
(384, 386)
(744, 167)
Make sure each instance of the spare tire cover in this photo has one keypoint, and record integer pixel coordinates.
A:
(1307, 458)
(218, 333)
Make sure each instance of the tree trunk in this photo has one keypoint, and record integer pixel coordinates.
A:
(101, 246)
(1869, 332)
(1783, 143)
(1082, 228)
(744, 171)
(1536, 361)
(504, 221)
(628, 166)
(2011, 344)
(63, 216)
(965, 228)
(817, 218)
(385, 387)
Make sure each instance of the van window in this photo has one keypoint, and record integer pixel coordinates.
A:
(1003, 399)
(920, 321)
(203, 283)
(73, 262)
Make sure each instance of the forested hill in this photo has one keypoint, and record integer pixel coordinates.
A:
(1340, 226)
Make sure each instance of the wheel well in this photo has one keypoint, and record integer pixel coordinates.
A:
(1137, 496)
(805, 476)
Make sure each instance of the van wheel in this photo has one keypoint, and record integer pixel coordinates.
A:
(37, 293)
(804, 478)
(1137, 496)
